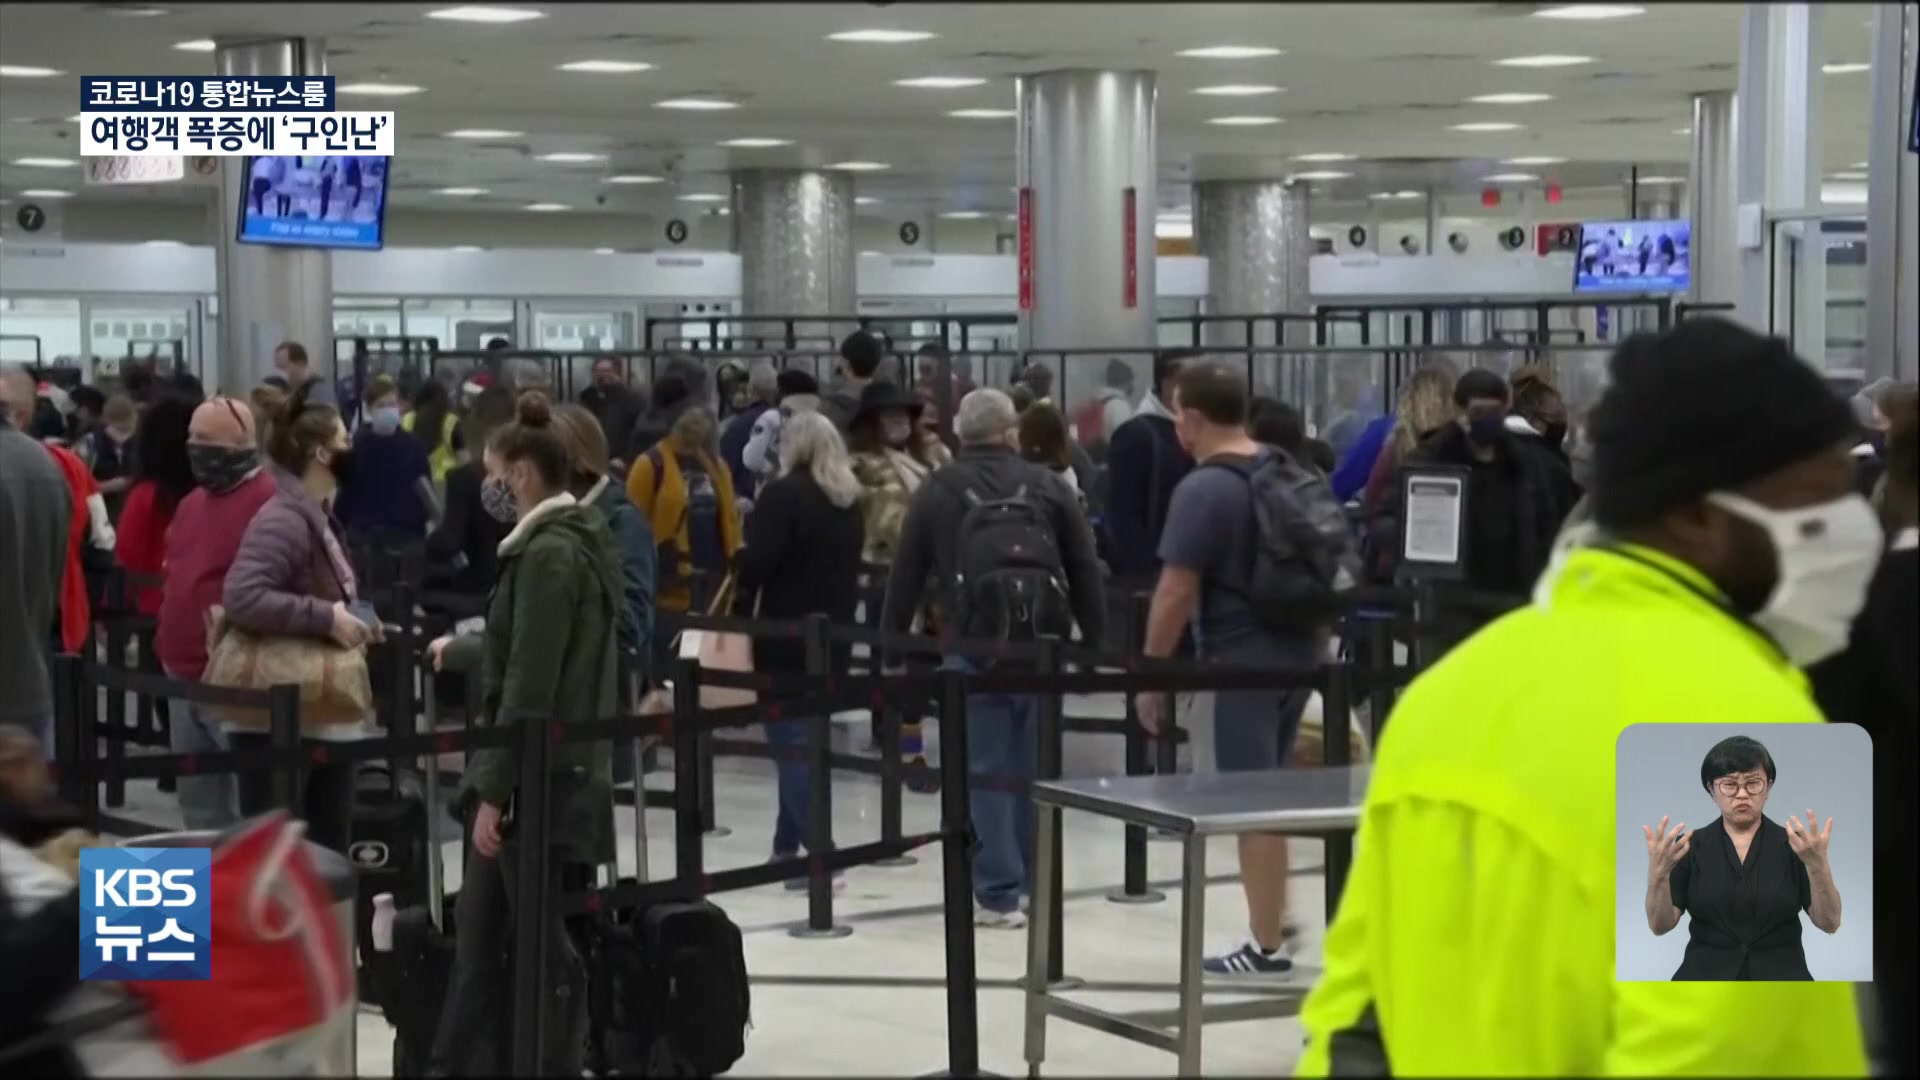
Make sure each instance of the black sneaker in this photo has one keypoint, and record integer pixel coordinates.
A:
(1249, 961)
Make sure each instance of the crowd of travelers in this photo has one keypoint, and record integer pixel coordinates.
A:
(1682, 558)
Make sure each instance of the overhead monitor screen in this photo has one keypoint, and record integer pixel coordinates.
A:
(330, 201)
(1630, 256)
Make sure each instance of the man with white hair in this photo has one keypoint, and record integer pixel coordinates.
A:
(1010, 557)
(35, 512)
(763, 389)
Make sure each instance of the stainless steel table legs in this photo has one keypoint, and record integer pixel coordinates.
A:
(1193, 925)
(1040, 931)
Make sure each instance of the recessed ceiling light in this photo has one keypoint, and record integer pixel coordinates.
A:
(46, 193)
(632, 178)
(984, 114)
(1835, 176)
(466, 248)
(1510, 178)
(461, 191)
(1661, 180)
(1510, 99)
(1237, 90)
(702, 196)
(940, 82)
(1683, 131)
(77, 118)
(606, 67)
(547, 207)
(1328, 156)
(1861, 165)
(28, 71)
(129, 11)
(1486, 125)
(492, 15)
(881, 37)
(570, 157)
(964, 215)
(1852, 68)
(1590, 12)
(696, 104)
(1229, 52)
(1545, 60)
(864, 200)
(603, 251)
(196, 45)
(484, 133)
(1535, 160)
(861, 166)
(45, 162)
(1397, 195)
(1244, 121)
(755, 142)
(162, 244)
(1322, 174)
(377, 89)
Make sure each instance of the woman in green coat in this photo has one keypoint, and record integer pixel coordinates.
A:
(547, 654)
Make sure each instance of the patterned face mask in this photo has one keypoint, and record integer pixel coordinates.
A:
(497, 499)
(220, 469)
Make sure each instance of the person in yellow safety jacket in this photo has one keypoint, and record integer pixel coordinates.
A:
(1475, 935)
(433, 415)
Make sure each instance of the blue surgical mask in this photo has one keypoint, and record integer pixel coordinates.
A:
(385, 420)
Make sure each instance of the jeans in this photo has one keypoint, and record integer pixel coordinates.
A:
(1003, 740)
(795, 785)
(324, 799)
(206, 802)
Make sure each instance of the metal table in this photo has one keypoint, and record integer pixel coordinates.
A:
(1322, 801)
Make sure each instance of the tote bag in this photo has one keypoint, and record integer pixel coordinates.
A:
(716, 651)
(335, 688)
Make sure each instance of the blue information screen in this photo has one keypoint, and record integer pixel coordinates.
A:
(330, 201)
(1626, 256)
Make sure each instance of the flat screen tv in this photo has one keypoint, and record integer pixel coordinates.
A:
(320, 201)
(1633, 256)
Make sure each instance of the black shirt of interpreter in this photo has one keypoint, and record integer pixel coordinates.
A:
(1744, 916)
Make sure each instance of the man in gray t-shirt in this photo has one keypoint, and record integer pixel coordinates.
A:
(1206, 555)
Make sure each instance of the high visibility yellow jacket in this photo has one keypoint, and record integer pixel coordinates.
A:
(1476, 932)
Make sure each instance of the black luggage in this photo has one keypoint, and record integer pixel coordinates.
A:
(667, 992)
(388, 848)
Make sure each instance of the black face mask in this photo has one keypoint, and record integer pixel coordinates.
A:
(220, 469)
(1555, 435)
(341, 464)
(1487, 431)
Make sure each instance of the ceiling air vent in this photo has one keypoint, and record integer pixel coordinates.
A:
(1429, 58)
(1622, 121)
(1008, 57)
(648, 41)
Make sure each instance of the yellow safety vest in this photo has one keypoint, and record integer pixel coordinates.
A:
(1477, 927)
(442, 457)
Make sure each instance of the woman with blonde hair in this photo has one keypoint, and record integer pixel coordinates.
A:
(802, 556)
(1426, 406)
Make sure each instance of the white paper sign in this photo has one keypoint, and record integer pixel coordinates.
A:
(1433, 520)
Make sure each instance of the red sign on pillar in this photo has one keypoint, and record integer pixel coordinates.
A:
(1130, 248)
(1026, 249)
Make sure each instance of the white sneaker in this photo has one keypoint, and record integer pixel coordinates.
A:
(990, 919)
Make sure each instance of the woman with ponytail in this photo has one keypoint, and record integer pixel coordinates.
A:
(547, 654)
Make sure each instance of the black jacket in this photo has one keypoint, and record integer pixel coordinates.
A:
(617, 410)
(933, 525)
(802, 556)
(654, 426)
(1144, 465)
(466, 529)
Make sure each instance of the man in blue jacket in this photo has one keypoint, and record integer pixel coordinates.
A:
(1144, 463)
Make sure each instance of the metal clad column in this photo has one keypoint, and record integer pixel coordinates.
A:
(1710, 201)
(267, 294)
(795, 232)
(1086, 138)
(1893, 199)
(1254, 236)
(1783, 282)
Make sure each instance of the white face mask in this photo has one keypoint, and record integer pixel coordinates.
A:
(1827, 555)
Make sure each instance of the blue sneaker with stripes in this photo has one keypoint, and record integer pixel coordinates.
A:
(1248, 962)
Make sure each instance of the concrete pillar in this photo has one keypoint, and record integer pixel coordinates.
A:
(794, 230)
(1893, 199)
(1086, 141)
(267, 294)
(1254, 236)
(1710, 200)
(1782, 286)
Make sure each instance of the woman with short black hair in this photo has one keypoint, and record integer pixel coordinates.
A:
(1748, 881)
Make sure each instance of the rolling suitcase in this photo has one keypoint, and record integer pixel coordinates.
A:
(388, 849)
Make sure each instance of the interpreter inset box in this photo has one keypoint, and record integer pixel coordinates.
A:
(1743, 852)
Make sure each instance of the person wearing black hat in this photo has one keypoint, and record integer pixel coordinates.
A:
(795, 392)
(860, 356)
(1727, 549)
(1518, 493)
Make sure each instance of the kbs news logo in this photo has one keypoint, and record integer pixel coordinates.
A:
(146, 914)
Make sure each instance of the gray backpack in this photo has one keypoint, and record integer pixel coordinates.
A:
(1305, 559)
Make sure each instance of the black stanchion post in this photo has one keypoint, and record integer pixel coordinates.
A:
(530, 835)
(1133, 881)
(155, 714)
(116, 712)
(819, 791)
(1426, 626)
(956, 856)
(689, 856)
(704, 755)
(73, 745)
(1052, 755)
(1380, 675)
(1336, 728)
(283, 731)
(400, 648)
(888, 716)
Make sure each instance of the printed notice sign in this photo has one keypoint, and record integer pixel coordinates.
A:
(1433, 518)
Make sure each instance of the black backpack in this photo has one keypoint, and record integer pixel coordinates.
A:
(668, 992)
(1305, 560)
(1009, 581)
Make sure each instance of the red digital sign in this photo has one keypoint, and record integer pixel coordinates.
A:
(1130, 248)
(1026, 249)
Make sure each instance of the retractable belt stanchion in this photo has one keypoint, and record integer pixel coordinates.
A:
(631, 688)
(283, 731)
(156, 718)
(116, 739)
(72, 748)
(430, 792)
(531, 829)
(1133, 862)
(1052, 754)
(1380, 675)
(956, 856)
(1336, 725)
(689, 838)
(820, 922)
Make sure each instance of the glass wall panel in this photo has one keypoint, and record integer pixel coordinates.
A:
(39, 328)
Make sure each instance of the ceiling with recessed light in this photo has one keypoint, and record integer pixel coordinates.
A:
(633, 107)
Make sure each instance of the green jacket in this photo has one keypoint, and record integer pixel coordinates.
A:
(548, 652)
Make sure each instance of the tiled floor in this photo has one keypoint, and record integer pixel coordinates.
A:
(873, 1003)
